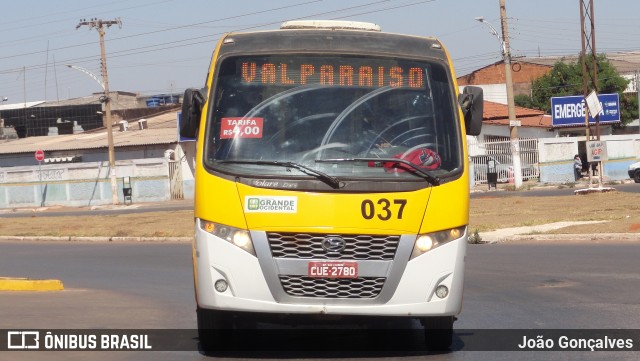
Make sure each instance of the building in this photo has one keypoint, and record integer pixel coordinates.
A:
(492, 78)
(75, 170)
(525, 70)
(80, 114)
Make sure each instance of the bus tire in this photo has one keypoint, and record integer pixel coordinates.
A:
(215, 329)
(636, 176)
(438, 332)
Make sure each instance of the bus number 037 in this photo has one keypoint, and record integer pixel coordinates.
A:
(382, 208)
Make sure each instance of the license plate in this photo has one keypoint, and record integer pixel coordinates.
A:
(333, 269)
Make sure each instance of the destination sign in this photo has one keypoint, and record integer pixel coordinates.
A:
(338, 71)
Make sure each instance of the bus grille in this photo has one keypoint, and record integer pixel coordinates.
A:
(303, 286)
(358, 247)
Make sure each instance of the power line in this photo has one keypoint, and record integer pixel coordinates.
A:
(231, 18)
(468, 62)
(153, 3)
(207, 37)
(169, 29)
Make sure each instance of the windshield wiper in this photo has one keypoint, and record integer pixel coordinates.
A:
(434, 180)
(332, 181)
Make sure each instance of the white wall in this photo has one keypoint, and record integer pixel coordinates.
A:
(82, 184)
(496, 93)
(523, 132)
(556, 157)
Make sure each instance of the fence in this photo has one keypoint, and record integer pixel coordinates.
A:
(500, 152)
(175, 179)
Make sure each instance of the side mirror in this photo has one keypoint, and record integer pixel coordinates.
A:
(192, 103)
(471, 102)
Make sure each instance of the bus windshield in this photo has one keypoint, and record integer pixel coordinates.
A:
(309, 110)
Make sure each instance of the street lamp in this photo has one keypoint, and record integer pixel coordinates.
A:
(107, 123)
(513, 122)
(90, 74)
(494, 32)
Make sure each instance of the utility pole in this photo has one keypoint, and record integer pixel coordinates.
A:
(513, 122)
(588, 32)
(638, 94)
(100, 24)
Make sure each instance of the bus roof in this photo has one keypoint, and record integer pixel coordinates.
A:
(330, 24)
(330, 40)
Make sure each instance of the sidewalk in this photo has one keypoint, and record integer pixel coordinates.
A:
(536, 233)
(583, 183)
(104, 239)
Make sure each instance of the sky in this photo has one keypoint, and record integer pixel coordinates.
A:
(165, 46)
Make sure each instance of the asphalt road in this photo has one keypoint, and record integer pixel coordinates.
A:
(149, 286)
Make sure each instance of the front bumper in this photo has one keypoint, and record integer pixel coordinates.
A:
(255, 284)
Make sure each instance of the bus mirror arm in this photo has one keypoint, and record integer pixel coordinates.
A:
(471, 103)
(192, 103)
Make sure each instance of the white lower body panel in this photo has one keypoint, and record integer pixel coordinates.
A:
(253, 285)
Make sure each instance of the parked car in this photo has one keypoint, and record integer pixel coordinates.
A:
(634, 172)
(504, 167)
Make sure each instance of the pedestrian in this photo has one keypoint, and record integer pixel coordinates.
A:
(577, 167)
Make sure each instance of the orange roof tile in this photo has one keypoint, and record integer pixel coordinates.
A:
(493, 110)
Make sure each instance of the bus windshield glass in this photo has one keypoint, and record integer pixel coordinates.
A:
(309, 110)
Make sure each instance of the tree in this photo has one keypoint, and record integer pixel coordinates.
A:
(565, 79)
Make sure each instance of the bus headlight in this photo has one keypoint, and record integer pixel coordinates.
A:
(426, 242)
(238, 237)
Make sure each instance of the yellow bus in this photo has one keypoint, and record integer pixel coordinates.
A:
(331, 177)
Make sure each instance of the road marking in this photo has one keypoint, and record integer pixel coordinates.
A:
(26, 284)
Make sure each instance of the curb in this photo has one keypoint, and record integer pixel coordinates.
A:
(93, 239)
(502, 187)
(532, 232)
(25, 284)
(573, 238)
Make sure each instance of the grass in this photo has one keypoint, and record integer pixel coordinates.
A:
(621, 210)
(151, 224)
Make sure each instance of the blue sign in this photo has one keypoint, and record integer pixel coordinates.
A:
(570, 111)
